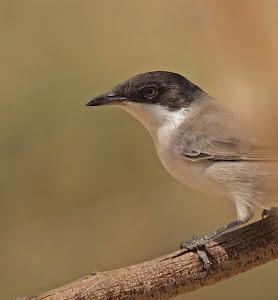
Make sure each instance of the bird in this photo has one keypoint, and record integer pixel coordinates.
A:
(201, 142)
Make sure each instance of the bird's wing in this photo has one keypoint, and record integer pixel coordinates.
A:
(216, 132)
(261, 153)
(198, 147)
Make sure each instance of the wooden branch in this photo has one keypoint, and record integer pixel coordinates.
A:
(179, 272)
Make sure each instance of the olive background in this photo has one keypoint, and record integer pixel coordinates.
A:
(82, 188)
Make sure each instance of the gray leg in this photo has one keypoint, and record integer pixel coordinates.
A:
(244, 212)
(197, 243)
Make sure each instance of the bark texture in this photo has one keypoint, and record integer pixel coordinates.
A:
(179, 272)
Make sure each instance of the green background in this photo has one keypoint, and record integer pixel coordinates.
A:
(82, 188)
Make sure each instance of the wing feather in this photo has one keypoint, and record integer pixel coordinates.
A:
(199, 147)
(214, 136)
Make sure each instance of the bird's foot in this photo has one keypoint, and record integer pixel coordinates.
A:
(193, 244)
(273, 212)
(198, 246)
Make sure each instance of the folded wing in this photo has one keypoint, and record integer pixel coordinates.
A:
(198, 147)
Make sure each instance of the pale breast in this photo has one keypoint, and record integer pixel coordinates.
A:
(187, 172)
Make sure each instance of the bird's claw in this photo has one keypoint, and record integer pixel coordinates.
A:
(198, 245)
(206, 261)
(193, 244)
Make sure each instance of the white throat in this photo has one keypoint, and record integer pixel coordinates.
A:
(158, 120)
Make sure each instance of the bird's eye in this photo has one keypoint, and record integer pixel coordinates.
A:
(150, 91)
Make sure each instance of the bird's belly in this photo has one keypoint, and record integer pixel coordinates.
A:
(251, 182)
(188, 172)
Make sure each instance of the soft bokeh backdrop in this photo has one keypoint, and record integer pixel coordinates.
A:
(82, 188)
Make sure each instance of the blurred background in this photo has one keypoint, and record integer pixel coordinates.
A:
(82, 188)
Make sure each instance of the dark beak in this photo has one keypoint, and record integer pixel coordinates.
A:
(106, 99)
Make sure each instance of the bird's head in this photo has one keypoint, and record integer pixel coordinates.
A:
(153, 97)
